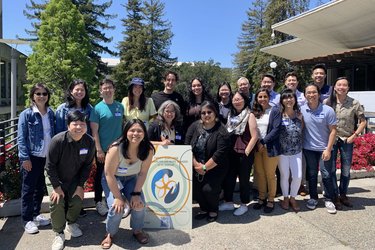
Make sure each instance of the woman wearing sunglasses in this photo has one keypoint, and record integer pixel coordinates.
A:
(35, 130)
(209, 140)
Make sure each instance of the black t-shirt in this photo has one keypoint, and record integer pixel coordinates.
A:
(161, 97)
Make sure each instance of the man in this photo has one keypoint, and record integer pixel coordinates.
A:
(244, 87)
(319, 136)
(268, 82)
(170, 81)
(68, 165)
(106, 126)
(319, 74)
(291, 82)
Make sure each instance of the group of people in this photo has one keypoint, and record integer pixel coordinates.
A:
(230, 136)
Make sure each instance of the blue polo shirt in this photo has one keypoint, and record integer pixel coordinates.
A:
(317, 122)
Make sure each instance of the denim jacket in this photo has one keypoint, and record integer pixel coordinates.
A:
(30, 133)
(61, 117)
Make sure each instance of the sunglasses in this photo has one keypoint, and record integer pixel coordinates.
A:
(39, 94)
(206, 112)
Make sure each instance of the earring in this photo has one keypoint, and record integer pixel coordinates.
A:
(217, 119)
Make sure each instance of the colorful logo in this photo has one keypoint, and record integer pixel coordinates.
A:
(164, 187)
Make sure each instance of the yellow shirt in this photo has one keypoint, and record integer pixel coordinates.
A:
(143, 115)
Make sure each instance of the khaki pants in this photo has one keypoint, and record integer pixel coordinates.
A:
(60, 215)
(264, 170)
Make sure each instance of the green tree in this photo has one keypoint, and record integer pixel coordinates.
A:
(61, 52)
(144, 50)
(96, 22)
(210, 72)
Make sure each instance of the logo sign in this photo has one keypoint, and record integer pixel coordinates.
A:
(168, 188)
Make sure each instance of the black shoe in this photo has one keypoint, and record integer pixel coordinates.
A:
(211, 218)
(259, 205)
(268, 209)
(201, 215)
(82, 213)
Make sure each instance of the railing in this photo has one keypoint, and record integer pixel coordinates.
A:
(8, 139)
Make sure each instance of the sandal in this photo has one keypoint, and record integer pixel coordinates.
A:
(141, 237)
(107, 242)
(269, 207)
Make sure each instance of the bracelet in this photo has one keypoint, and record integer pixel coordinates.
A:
(204, 168)
(135, 193)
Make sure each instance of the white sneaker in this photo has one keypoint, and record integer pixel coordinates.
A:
(241, 210)
(41, 220)
(58, 242)
(101, 208)
(330, 207)
(31, 227)
(226, 206)
(74, 230)
(311, 204)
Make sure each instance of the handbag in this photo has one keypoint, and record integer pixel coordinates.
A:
(240, 145)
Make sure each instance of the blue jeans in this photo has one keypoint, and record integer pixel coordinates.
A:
(313, 163)
(114, 219)
(346, 155)
(33, 187)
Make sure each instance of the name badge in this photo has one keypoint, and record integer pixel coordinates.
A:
(285, 121)
(118, 114)
(122, 170)
(83, 151)
(321, 115)
(119, 184)
(178, 137)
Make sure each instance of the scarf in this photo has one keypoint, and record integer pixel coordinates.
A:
(237, 124)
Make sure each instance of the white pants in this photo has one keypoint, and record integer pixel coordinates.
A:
(293, 164)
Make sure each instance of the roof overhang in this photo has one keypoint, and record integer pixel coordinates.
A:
(333, 28)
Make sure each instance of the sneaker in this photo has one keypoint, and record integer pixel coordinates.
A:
(58, 242)
(41, 220)
(330, 207)
(101, 208)
(241, 210)
(226, 206)
(74, 230)
(311, 204)
(31, 227)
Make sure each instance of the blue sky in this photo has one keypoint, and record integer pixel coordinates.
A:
(203, 29)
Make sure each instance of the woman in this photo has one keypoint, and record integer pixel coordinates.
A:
(242, 127)
(126, 166)
(197, 95)
(136, 104)
(35, 130)
(224, 98)
(77, 98)
(166, 129)
(348, 112)
(268, 147)
(290, 148)
(209, 141)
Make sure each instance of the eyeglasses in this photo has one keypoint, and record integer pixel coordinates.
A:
(169, 111)
(206, 112)
(237, 100)
(39, 94)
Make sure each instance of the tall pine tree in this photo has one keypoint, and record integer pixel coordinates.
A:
(145, 49)
(61, 52)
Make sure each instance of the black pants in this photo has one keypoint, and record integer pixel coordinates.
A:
(98, 189)
(207, 188)
(240, 166)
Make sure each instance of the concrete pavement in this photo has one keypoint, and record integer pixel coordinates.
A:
(352, 228)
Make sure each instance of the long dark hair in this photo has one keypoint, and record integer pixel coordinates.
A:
(332, 99)
(35, 88)
(285, 93)
(70, 100)
(143, 148)
(218, 98)
(205, 94)
(233, 111)
(142, 98)
(257, 108)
